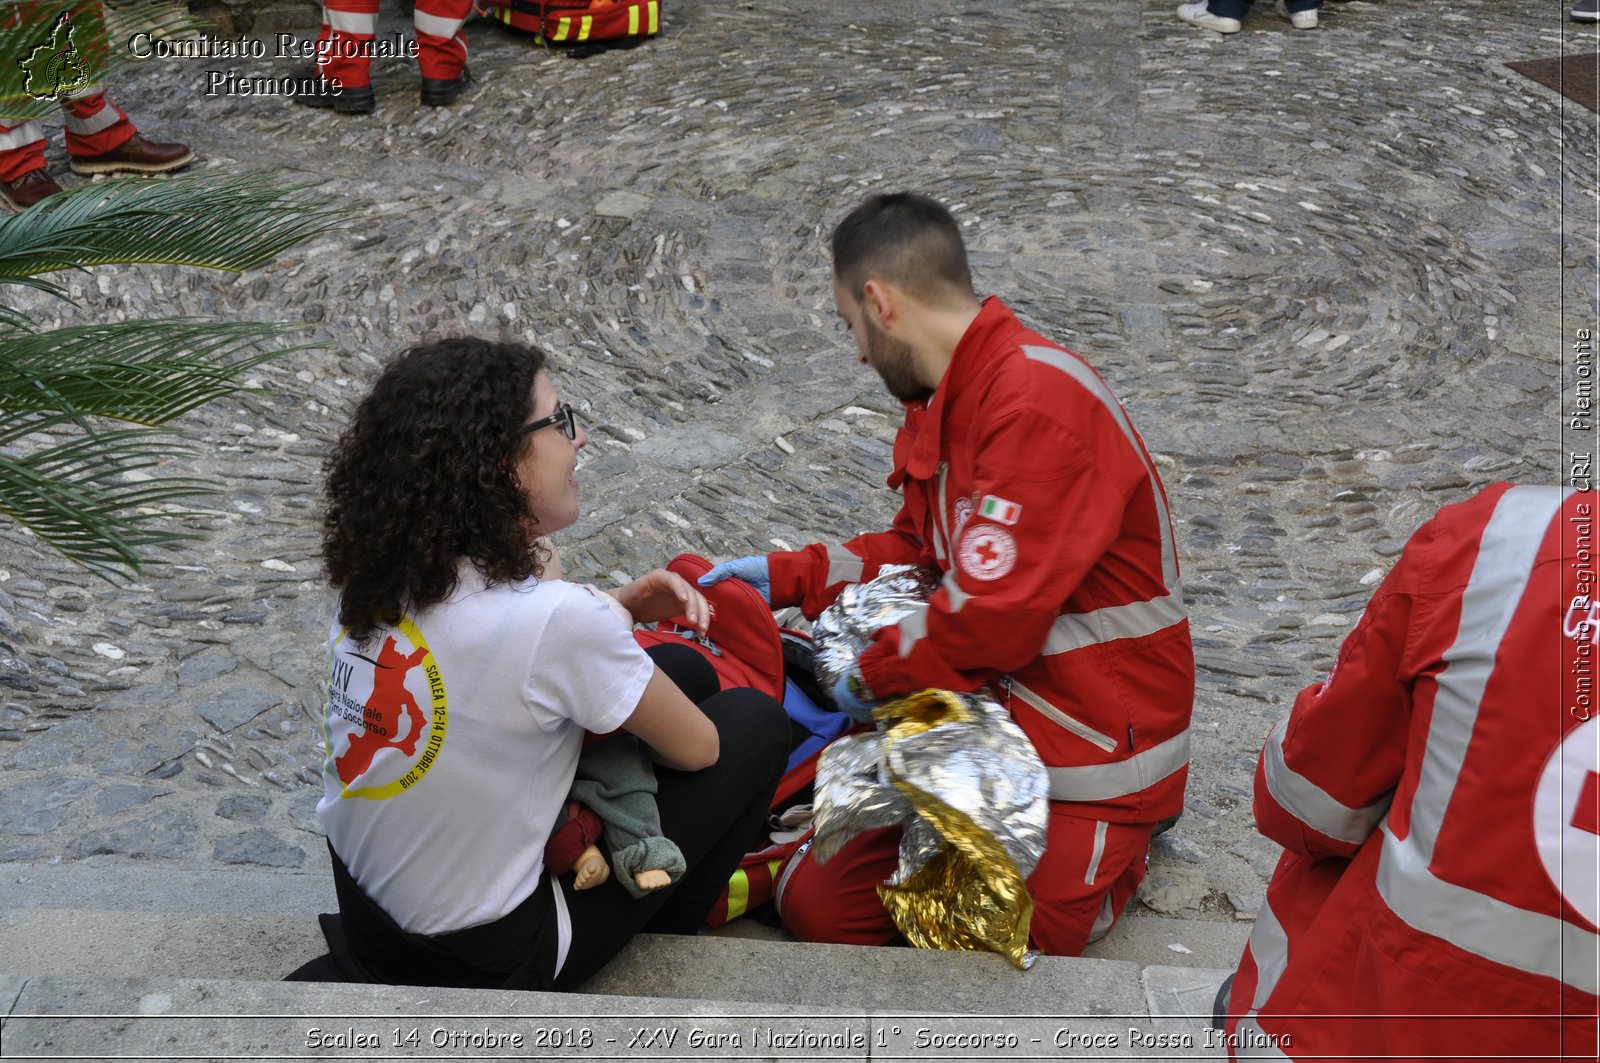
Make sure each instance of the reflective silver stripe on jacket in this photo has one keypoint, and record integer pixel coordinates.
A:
(958, 597)
(1475, 922)
(1101, 782)
(1073, 631)
(941, 536)
(913, 629)
(843, 566)
(1310, 803)
(1269, 947)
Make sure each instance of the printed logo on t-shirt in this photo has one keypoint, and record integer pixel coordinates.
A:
(1566, 818)
(381, 740)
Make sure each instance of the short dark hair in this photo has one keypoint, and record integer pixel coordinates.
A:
(907, 239)
(425, 476)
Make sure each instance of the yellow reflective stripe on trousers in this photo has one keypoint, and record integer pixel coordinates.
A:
(655, 15)
(1310, 803)
(1476, 922)
(738, 894)
(563, 27)
(633, 22)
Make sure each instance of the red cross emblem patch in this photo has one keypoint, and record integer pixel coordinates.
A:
(987, 552)
(1566, 818)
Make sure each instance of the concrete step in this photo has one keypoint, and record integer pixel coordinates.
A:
(68, 926)
(196, 1019)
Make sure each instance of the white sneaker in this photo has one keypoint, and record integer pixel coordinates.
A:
(1200, 15)
(1300, 20)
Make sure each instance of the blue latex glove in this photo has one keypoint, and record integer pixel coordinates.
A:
(753, 570)
(849, 701)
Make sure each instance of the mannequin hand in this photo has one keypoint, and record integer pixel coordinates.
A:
(653, 879)
(591, 869)
(851, 697)
(660, 595)
(753, 570)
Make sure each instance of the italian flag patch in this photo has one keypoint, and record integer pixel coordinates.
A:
(999, 510)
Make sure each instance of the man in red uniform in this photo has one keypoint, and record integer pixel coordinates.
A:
(345, 49)
(100, 137)
(1025, 484)
(1438, 802)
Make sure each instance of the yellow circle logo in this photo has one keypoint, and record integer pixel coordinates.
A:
(380, 741)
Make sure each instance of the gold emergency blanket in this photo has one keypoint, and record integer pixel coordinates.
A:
(964, 781)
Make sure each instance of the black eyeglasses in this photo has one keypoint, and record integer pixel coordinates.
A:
(565, 416)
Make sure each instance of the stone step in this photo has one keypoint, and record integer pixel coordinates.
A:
(121, 920)
(47, 1017)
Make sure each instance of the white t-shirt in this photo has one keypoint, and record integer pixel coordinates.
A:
(452, 739)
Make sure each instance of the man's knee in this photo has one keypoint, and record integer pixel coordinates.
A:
(837, 902)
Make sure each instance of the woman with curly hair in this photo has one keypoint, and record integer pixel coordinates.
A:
(463, 676)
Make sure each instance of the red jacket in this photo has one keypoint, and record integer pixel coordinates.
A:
(1024, 482)
(1439, 803)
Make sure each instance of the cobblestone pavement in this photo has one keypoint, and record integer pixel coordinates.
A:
(1326, 271)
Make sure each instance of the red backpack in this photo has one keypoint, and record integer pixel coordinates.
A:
(578, 22)
(747, 649)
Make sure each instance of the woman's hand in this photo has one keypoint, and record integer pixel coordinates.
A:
(660, 595)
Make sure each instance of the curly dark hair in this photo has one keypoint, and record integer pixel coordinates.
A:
(425, 476)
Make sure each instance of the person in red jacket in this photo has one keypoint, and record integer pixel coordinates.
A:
(1438, 803)
(1024, 482)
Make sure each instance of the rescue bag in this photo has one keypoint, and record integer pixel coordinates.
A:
(746, 648)
(578, 22)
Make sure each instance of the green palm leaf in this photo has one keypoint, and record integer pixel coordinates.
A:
(147, 372)
(234, 223)
(79, 496)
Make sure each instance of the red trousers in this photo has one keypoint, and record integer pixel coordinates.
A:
(348, 26)
(1089, 871)
(94, 126)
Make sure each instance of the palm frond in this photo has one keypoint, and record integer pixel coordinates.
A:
(79, 496)
(36, 63)
(147, 372)
(233, 222)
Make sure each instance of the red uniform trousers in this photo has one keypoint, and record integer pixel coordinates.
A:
(349, 26)
(94, 126)
(1089, 871)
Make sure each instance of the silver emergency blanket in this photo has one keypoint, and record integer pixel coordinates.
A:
(965, 782)
(846, 627)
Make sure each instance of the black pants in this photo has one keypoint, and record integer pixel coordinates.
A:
(713, 815)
